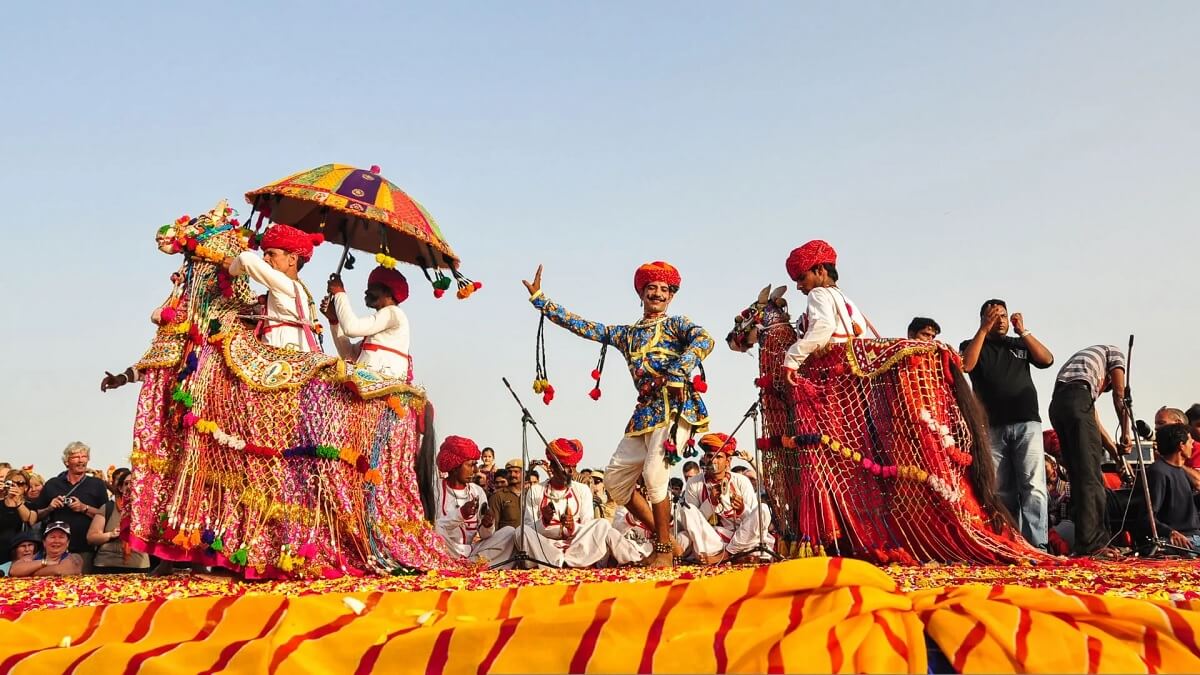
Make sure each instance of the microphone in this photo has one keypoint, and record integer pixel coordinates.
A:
(1143, 430)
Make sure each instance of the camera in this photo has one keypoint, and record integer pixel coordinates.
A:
(69, 501)
(8, 484)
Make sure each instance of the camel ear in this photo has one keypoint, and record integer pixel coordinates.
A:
(778, 292)
(762, 296)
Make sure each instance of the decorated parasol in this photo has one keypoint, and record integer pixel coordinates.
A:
(362, 210)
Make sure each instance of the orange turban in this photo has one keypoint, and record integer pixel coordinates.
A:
(395, 282)
(569, 451)
(456, 450)
(808, 256)
(290, 239)
(713, 443)
(655, 271)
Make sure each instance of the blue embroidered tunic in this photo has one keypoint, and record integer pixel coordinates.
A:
(671, 347)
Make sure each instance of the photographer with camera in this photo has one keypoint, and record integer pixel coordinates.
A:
(74, 497)
(1174, 510)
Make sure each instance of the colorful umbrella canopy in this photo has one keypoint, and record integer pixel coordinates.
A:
(359, 208)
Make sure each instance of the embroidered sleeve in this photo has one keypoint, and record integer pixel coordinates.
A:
(578, 325)
(822, 317)
(353, 326)
(697, 345)
(346, 349)
(748, 494)
(249, 264)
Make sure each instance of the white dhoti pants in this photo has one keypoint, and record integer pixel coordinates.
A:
(497, 547)
(589, 545)
(707, 539)
(642, 456)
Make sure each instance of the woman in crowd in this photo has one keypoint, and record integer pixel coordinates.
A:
(36, 483)
(487, 470)
(15, 515)
(112, 555)
(56, 561)
(23, 547)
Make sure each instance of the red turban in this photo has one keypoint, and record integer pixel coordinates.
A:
(808, 256)
(288, 238)
(395, 282)
(655, 271)
(713, 442)
(456, 450)
(1050, 442)
(569, 451)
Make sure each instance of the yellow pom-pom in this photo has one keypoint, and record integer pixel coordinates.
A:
(856, 457)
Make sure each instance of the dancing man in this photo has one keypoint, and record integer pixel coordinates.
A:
(385, 336)
(661, 352)
(461, 508)
(560, 525)
(723, 517)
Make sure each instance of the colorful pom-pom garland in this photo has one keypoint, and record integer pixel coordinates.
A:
(888, 471)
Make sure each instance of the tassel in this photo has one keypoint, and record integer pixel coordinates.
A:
(541, 383)
(598, 371)
(700, 382)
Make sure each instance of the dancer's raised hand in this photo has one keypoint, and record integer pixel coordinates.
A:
(535, 285)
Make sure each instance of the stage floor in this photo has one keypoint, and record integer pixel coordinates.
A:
(1159, 580)
(813, 615)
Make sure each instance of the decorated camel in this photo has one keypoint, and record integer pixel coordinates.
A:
(270, 462)
(881, 452)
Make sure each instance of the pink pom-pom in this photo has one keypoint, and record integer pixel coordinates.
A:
(595, 393)
(478, 285)
(190, 419)
(437, 292)
(699, 384)
(595, 374)
(169, 314)
(868, 464)
(308, 550)
(375, 168)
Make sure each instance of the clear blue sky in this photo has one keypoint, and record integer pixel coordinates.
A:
(1046, 153)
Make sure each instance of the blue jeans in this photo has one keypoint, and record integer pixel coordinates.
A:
(1021, 476)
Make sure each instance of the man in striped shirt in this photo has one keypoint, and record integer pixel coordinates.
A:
(1091, 372)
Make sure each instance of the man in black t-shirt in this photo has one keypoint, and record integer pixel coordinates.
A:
(74, 498)
(1174, 509)
(999, 370)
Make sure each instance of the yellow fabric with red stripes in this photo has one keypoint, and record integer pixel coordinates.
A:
(816, 614)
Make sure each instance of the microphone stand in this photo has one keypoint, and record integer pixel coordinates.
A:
(1157, 545)
(519, 555)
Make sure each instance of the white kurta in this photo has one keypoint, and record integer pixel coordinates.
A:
(589, 544)
(387, 333)
(285, 316)
(460, 532)
(831, 317)
(735, 531)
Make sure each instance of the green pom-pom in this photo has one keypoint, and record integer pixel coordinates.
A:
(240, 557)
(217, 545)
(442, 284)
